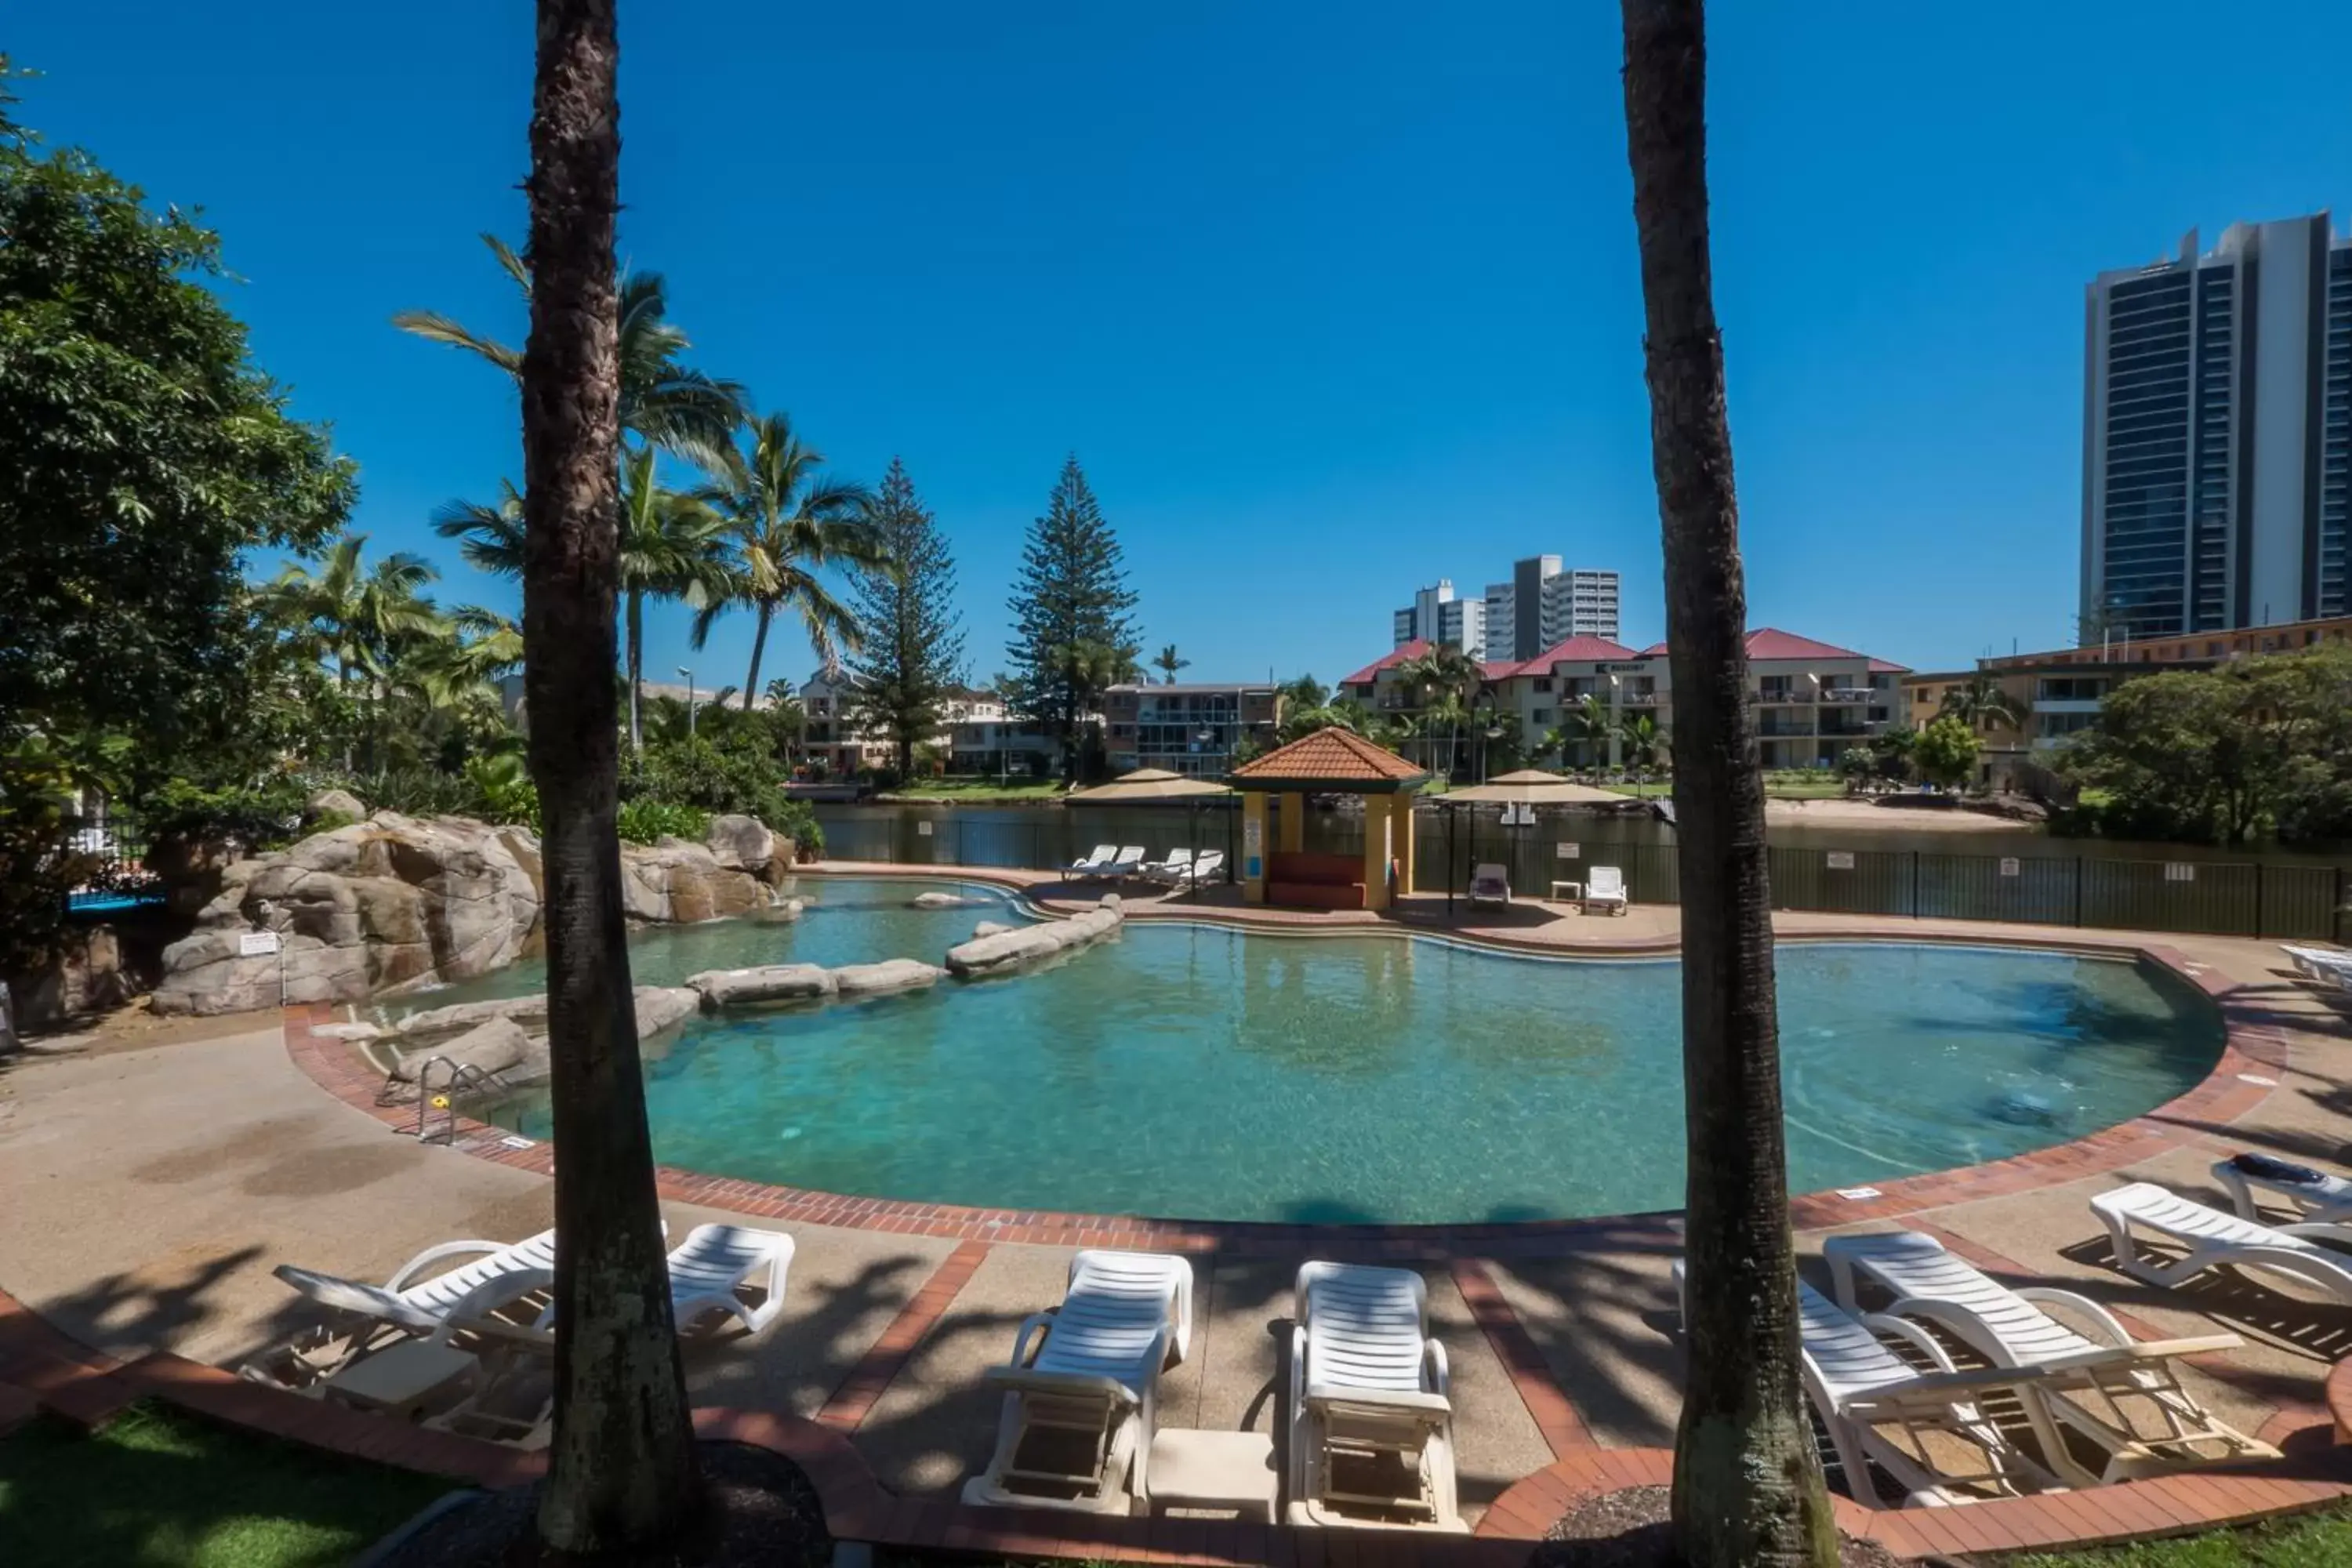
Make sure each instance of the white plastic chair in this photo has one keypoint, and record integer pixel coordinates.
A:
(1367, 1400)
(1605, 886)
(1490, 884)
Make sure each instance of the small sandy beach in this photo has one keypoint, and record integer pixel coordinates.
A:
(1905, 819)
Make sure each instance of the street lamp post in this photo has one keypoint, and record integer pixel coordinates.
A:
(689, 700)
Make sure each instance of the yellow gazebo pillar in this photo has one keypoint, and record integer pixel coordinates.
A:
(1376, 852)
(1253, 846)
(1407, 845)
(1293, 825)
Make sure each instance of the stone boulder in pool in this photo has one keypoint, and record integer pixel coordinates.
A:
(1001, 952)
(763, 984)
(941, 901)
(890, 974)
(740, 843)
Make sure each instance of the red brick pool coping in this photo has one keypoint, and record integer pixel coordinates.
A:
(40, 1367)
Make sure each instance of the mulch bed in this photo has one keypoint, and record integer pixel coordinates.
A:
(762, 1513)
(1631, 1529)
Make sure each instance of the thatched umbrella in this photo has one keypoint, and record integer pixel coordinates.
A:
(1529, 786)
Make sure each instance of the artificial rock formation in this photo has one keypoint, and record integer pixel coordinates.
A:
(890, 974)
(763, 984)
(395, 902)
(1001, 952)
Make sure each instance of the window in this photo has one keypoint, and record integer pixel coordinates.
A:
(1543, 683)
(1539, 716)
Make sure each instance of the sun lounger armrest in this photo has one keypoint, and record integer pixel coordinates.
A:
(2319, 1230)
(1038, 1324)
(1322, 1395)
(2050, 1295)
(500, 1291)
(1434, 1372)
(1935, 1390)
(1064, 1385)
(1910, 1333)
(2146, 1349)
(441, 1254)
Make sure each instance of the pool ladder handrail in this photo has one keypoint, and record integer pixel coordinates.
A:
(464, 1076)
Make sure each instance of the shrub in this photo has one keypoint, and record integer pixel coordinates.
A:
(259, 817)
(503, 790)
(416, 792)
(643, 821)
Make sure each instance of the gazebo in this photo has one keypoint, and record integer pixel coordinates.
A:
(1328, 762)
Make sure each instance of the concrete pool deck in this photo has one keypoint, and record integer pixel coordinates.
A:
(153, 1186)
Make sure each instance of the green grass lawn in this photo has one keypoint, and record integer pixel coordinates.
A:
(2313, 1541)
(156, 1487)
(975, 789)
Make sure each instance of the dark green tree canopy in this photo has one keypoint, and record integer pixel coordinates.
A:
(1074, 630)
(911, 647)
(144, 455)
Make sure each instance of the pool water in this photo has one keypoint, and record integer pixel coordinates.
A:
(1204, 1073)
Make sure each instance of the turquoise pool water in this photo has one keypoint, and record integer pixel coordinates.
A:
(1198, 1072)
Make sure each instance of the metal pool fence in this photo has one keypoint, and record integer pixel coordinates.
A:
(2217, 898)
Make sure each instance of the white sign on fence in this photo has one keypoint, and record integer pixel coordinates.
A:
(2179, 871)
(1840, 859)
(255, 943)
(922, 830)
(2008, 866)
(1568, 851)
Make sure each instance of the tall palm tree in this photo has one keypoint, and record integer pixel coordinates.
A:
(1169, 663)
(664, 403)
(1983, 705)
(621, 1478)
(1441, 680)
(1639, 733)
(356, 615)
(1748, 1489)
(672, 546)
(1589, 726)
(789, 523)
(490, 537)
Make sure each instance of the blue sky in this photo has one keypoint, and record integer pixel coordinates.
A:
(1331, 300)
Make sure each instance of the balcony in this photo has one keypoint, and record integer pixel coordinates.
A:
(1848, 694)
(1791, 696)
(2067, 704)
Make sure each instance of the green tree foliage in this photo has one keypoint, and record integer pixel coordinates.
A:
(1984, 705)
(1074, 631)
(912, 649)
(144, 454)
(1946, 752)
(1167, 662)
(2221, 755)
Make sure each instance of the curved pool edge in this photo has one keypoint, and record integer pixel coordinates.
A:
(2221, 1097)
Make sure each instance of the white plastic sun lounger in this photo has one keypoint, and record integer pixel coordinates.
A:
(1372, 1427)
(1605, 886)
(417, 1301)
(709, 1272)
(2124, 1396)
(1489, 884)
(2306, 1193)
(1207, 866)
(1094, 865)
(1173, 870)
(1127, 862)
(1861, 1389)
(1080, 1405)
(2213, 1239)
(2319, 963)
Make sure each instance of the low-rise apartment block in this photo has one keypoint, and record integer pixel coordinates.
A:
(1190, 728)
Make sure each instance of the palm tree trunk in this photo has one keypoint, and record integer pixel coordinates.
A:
(622, 1477)
(636, 666)
(1748, 1488)
(759, 646)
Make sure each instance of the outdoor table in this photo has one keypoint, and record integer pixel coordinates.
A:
(402, 1379)
(1214, 1470)
(1575, 890)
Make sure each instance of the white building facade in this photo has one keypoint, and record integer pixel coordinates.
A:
(1436, 615)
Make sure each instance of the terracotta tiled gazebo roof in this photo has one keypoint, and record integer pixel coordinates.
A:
(1335, 759)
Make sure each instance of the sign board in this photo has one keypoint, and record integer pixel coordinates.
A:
(255, 943)
(1253, 835)
(2008, 866)
(1568, 851)
(1623, 667)
(922, 829)
(1840, 859)
(2179, 871)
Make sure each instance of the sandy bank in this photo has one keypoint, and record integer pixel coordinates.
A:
(1905, 819)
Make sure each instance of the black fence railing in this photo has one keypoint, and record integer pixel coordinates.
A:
(2218, 897)
(107, 863)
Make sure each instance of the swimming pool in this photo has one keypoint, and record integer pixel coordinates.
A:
(1199, 1072)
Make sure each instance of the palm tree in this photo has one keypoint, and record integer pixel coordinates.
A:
(1748, 1489)
(491, 536)
(1984, 705)
(1589, 727)
(1168, 663)
(621, 1478)
(789, 523)
(1639, 733)
(662, 402)
(672, 546)
(356, 615)
(1441, 681)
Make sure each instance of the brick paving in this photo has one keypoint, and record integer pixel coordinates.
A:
(2267, 1039)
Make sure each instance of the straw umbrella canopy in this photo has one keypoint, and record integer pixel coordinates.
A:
(1529, 786)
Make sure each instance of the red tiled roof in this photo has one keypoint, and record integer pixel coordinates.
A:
(1769, 642)
(1497, 669)
(1339, 755)
(1655, 650)
(1388, 660)
(1574, 650)
(1887, 666)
